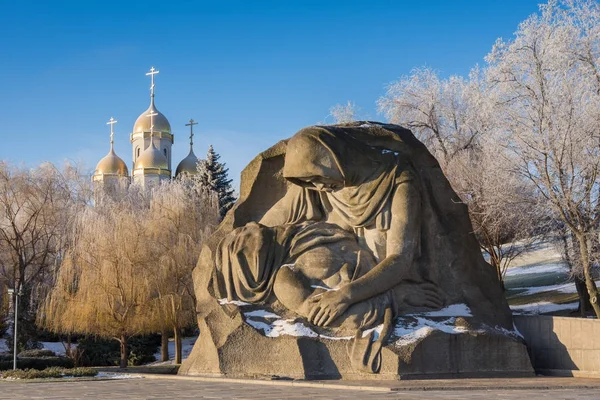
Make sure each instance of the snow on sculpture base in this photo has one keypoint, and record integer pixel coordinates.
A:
(258, 343)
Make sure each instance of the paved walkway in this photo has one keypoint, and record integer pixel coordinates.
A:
(194, 389)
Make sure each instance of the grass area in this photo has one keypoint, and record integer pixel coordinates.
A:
(52, 372)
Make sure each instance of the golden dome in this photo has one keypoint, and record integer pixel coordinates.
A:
(111, 164)
(188, 165)
(161, 124)
(152, 158)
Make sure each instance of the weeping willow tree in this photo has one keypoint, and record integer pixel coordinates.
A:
(182, 215)
(103, 286)
(129, 268)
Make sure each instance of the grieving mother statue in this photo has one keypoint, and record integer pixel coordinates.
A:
(355, 229)
(348, 227)
(379, 182)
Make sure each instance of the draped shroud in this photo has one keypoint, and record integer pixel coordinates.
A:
(370, 159)
(248, 258)
(367, 174)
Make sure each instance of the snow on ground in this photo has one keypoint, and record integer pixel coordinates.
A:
(542, 272)
(542, 252)
(57, 347)
(111, 375)
(187, 344)
(552, 268)
(543, 307)
(568, 287)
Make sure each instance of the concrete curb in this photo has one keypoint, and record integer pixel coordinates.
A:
(424, 385)
(320, 385)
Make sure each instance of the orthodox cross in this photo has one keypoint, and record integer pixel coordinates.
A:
(191, 125)
(112, 123)
(152, 114)
(152, 73)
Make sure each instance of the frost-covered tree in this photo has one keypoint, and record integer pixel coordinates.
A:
(36, 212)
(455, 119)
(546, 85)
(213, 175)
(342, 113)
(181, 218)
(440, 112)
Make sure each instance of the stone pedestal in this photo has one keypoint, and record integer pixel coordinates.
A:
(247, 352)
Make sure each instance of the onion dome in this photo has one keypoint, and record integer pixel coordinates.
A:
(143, 123)
(188, 164)
(152, 158)
(111, 164)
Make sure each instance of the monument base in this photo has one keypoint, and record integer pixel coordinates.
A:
(247, 353)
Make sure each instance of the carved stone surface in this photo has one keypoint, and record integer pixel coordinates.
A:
(349, 255)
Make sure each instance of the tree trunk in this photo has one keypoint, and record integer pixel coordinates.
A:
(496, 263)
(584, 298)
(582, 293)
(124, 352)
(164, 346)
(178, 347)
(590, 285)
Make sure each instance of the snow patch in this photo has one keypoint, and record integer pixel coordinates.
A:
(292, 267)
(568, 287)
(324, 287)
(57, 347)
(282, 327)
(410, 331)
(278, 326)
(111, 375)
(454, 310)
(262, 314)
(543, 307)
(234, 302)
(187, 344)
(377, 331)
(412, 336)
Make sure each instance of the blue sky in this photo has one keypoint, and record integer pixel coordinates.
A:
(250, 72)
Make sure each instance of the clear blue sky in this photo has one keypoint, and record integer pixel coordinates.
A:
(250, 72)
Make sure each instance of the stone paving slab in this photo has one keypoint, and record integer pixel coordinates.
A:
(145, 388)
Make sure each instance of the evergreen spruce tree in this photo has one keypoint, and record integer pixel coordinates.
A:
(213, 176)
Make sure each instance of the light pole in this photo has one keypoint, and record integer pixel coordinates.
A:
(16, 302)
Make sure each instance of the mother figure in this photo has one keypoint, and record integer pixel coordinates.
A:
(379, 181)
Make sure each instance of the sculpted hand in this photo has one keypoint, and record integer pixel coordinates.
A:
(326, 307)
(424, 294)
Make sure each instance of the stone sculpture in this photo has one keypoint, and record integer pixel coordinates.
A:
(344, 238)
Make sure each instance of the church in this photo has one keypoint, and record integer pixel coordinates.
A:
(151, 141)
